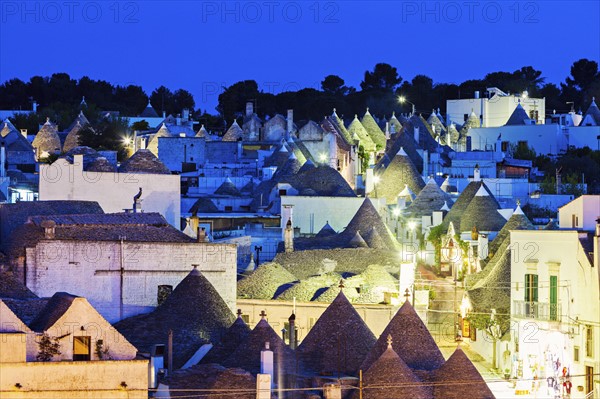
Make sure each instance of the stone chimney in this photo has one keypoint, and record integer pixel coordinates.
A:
(288, 237)
(178, 119)
(266, 360)
(263, 386)
(482, 246)
(333, 151)
(185, 115)
(137, 202)
(290, 122)
(332, 391)
(49, 229)
(202, 234)
(35, 105)
(249, 108)
(293, 339)
(476, 173)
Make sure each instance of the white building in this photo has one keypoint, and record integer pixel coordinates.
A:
(555, 310)
(496, 109)
(580, 213)
(94, 359)
(115, 190)
(120, 262)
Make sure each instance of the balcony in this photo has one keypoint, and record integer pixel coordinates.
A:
(537, 310)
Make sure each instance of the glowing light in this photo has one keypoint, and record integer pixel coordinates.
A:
(525, 94)
(127, 141)
(412, 225)
(401, 99)
(396, 211)
(322, 157)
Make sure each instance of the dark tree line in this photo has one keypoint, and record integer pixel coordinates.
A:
(59, 96)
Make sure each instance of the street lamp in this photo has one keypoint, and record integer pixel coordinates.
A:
(403, 100)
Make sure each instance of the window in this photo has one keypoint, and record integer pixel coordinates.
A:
(553, 298)
(246, 318)
(589, 341)
(228, 208)
(576, 354)
(163, 293)
(531, 295)
(465, 117)
(81, 348)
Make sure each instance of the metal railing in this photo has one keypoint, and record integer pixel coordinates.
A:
(537, 310)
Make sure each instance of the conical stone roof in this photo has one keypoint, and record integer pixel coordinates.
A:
(194, 311)
(390, 378)
(339, 341)
(163, 131)
(6, 129)
(413, 343)
(395, 125)
(357, 241)
(234, 133)
(518, 117)
(347, 136)
(356, 128)
(374, 240)
(400, 172)
(431, 198)
(290, 167)
(235, 334)
(47, 139)
(482, 213)
(461, 204)
(101, 164)
(433, 120)
(518, 221)
(308, 165)
(372, 128)
(324, 180)
(202, 132)
(72, 139)
(247, 354)
(144, 161)
(149, 112)
(459, 379)
(326, 231)
(365, 219)
(593, 112)
(228, 188)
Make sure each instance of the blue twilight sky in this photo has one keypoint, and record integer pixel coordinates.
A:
(286, 45)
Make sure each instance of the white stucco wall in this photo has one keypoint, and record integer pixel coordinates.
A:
(113, 191)
(558, 253)
(81, 380)
(311, 213)
(92, 269)
(587, 210)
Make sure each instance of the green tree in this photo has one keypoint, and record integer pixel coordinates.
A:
(384, 77)
(107, 134)
(162, 100)
(233, 99)
(140, 126)
(48, 348)
(333, 84)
